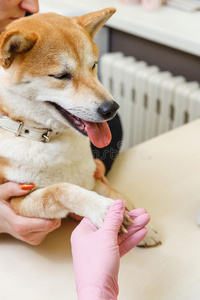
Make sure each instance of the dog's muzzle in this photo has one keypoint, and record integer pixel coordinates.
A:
(108, 110)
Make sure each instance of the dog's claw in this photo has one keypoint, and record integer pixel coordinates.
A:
(128, 218)
(123, 229)
(126, 222)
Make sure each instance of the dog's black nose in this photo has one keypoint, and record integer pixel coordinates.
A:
(108, 109)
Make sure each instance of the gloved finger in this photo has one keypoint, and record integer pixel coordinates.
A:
(139, 222)
(132, 241)
(114, 217)
(136, 212)
(11, 189)
(84, 227)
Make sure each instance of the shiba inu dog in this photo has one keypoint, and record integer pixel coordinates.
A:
(51, 106)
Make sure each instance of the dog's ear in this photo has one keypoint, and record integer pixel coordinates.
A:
(93, 22)
(13, 42)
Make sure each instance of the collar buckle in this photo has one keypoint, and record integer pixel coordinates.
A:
(19, 128)
(47, 136)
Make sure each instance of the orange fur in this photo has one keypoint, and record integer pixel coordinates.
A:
(3, 164)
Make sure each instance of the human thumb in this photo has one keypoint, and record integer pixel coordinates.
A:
(11, 189)
(114, 217)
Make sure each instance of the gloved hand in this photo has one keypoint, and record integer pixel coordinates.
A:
(96, 253)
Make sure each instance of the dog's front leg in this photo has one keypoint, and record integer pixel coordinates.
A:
(57, 200)
(104, 190)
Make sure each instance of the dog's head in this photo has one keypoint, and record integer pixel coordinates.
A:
(49, 74)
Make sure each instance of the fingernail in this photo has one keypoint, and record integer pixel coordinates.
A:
(96, 174)
(27, 186)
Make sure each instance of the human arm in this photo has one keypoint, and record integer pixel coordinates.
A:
(96, 253)
(30, 230)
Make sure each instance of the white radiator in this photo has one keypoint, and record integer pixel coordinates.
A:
(151, 102)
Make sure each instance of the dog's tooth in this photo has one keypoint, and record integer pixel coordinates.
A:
(77, 122)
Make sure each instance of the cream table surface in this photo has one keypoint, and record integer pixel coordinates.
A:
(162, 175)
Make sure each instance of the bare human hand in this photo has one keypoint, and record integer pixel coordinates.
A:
(100, 172)
(30, 230)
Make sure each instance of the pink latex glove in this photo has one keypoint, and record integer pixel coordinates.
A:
(96, 253)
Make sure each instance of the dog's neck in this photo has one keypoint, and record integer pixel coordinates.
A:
(20, 129)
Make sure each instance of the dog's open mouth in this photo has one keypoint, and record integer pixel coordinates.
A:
(98, 133)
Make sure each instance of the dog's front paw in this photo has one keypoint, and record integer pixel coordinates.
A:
(151, 239)
(99, 211)
(99, 219)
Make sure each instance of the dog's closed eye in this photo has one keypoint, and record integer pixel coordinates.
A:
(66, 75)
(95, 64)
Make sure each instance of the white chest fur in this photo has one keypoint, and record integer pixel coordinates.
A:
(67, 158)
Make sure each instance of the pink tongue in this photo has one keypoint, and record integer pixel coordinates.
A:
(98, 133)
